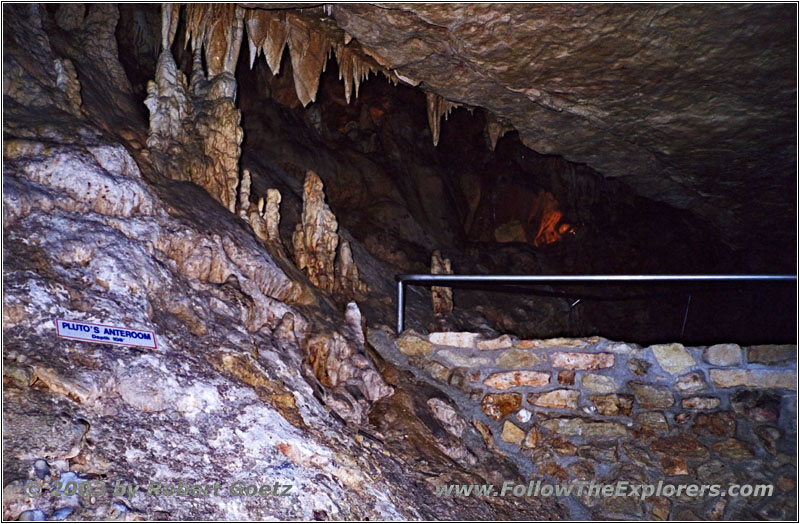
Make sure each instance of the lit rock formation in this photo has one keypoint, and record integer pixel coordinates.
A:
(315, 243)
(437, 107)
(201, 120)
(442, 297)
(339, 362)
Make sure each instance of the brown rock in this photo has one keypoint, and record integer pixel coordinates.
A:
(533, 438)
(786, 483)
(683, 418)
(566, 378)
(769, 437)
(700, 403)
(654, 420)
(680, 445)
(510, 379)
(735, 449)
(582, 469)
(720, 424)
(754, 378)
(673, 358)
(558, 343)
(717, 509)
(598, 383)
(772, 354)
(457, 339)
(638, 366)
(441, 297)
(413, 345)
(586, 428)
(500, 405)
(661, 507)
(723, 355)
(652, 397)
(613, 404)
(562, 447)
(556, 471)
(485, 432)
(512, 434)
(602, 452)
(457, 359)
(582, 360)
(517, 358)
(673, 466)
(501, 342)
(559, 398)
(437, 371)
(639, 455)
(691, 383)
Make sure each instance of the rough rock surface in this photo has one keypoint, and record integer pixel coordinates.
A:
(690, 104)
(93, 232)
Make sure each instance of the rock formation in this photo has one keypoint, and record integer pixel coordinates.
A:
(315, 242)
(201, 121)
(441, 296)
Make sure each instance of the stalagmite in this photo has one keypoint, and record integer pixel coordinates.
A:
(348, 285)
(272, 215)
(315, 238)
(244, 195)
(437, 106)
(442, 297)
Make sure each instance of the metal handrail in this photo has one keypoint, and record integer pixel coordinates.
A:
(421, 279)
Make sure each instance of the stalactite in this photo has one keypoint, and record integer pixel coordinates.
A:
(495, 130)
(442, 297)
(308, 50)
(437, 106)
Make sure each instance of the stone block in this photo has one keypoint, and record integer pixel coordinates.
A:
(559, 398)
(754, 378)
(650, 396)
(598, 383)
(500, 405)
(413, 345)
(700, 403)
(510, 379)
(502, 342)
(723, 355)
(586, 428)
(462, 339)
(691, 383)
(512, 434)
(517, 358)
(587, 361)
(772, 354)
(673, 358)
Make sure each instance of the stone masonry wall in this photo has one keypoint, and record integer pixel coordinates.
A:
(593, 409)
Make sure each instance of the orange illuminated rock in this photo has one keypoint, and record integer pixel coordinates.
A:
(510, 379)
(500, 405)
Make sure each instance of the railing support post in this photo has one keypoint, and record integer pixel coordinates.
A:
(401, 305)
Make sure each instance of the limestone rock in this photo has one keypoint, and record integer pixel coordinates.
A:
(582, 360)
(683, 445)
(598, 383)
(464, 339)
(673, 466)
(512, 433)
(315, 239)
(501, 342)
(723, 355)
(700, 403)
(510, 379)
(412, 344)
(638, 366)
(719, 424)
(517, 358)
(654, 420)
(613, 404)
(772, 354)
(735, 449)
(448, 416)
(691, 383)
(558, 398)
(673, 358)
(586, 428)
(500, 405)
(460, 360)
(533, 438)
(652, 397)
(754, 378)
(566, 378)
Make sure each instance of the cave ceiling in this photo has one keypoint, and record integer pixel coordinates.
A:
(690, 104)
